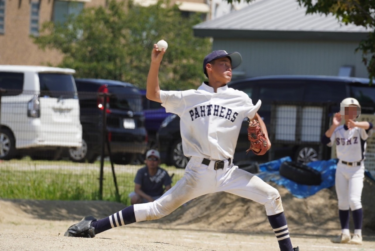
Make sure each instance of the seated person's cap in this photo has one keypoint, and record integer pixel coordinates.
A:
(235, 58)
(153, 153)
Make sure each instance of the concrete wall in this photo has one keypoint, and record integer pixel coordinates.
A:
(16, 47)
(265, 57)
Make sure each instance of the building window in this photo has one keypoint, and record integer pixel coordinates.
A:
(34, 18)
(2, 16)
(63, 9)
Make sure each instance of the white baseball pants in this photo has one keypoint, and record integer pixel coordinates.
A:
(349, 185)
(200, 179)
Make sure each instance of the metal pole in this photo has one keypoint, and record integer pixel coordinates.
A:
(113, 169)
(102, 141)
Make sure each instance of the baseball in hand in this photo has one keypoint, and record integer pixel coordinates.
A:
(162, 44)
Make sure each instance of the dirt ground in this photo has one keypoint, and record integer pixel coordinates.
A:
(213, 222)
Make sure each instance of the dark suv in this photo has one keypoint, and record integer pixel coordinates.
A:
(303, 90)
(124, 119)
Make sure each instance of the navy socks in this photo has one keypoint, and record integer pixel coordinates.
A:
(344, 219)
(358, 218)
(121, 218)
(278, 223)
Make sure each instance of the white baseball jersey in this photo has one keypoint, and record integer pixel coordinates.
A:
(350, 144)
(210, 122)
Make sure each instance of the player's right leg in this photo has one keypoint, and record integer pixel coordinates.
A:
(247, 185)
(342, 186)
(196, 181)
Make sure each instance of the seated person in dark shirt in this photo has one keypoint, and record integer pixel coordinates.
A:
(150, 181)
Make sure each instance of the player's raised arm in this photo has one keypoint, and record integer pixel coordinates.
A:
(335, 123)
(153, 88)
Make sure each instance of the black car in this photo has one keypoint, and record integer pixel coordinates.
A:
(301, 90)
(124, 120)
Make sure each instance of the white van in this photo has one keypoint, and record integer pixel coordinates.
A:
(39, 110)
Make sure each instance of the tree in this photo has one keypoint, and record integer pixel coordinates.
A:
(115, 42)
(358, 12)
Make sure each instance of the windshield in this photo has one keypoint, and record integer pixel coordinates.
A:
(125, 98)
(57, 85)
(365, 96)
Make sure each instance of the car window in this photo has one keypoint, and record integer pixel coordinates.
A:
(246, 87)
(85, 86)
(325, 91)
(150, 105)
(56, 85)
(155, 105)
(144, 102)
(279, 91)
(125, 98)
(12, 83)
(248, 91)
(365, 96)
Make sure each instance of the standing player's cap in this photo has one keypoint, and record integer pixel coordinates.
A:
(153, 153)
(235, 58)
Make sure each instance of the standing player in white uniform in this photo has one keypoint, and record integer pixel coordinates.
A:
(211, 118)
(350, 140)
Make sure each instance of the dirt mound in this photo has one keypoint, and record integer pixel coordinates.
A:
(317, 214)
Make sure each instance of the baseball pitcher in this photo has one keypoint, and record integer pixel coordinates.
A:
(211, 118)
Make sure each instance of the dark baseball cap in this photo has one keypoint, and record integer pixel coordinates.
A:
(235, 58)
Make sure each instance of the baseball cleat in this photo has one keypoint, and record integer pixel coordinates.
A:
(82, 229)
(296, 249)
(357, 239)
(343, 238)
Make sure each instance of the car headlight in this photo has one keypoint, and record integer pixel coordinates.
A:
(167, 120)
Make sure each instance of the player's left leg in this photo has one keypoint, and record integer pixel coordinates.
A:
(247, 185)
(355, 194)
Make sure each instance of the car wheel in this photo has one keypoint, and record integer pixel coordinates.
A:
(7, 145)
(306, 154)
(83, 153)
(178, 158)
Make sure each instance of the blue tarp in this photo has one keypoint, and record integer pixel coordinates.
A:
(327, 168)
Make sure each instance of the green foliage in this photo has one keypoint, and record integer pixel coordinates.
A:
(358, 12)
(115, 42)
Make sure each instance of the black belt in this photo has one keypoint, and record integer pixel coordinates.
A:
(351, 163)
(219, 164)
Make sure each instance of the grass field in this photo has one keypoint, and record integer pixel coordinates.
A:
(65, 180)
